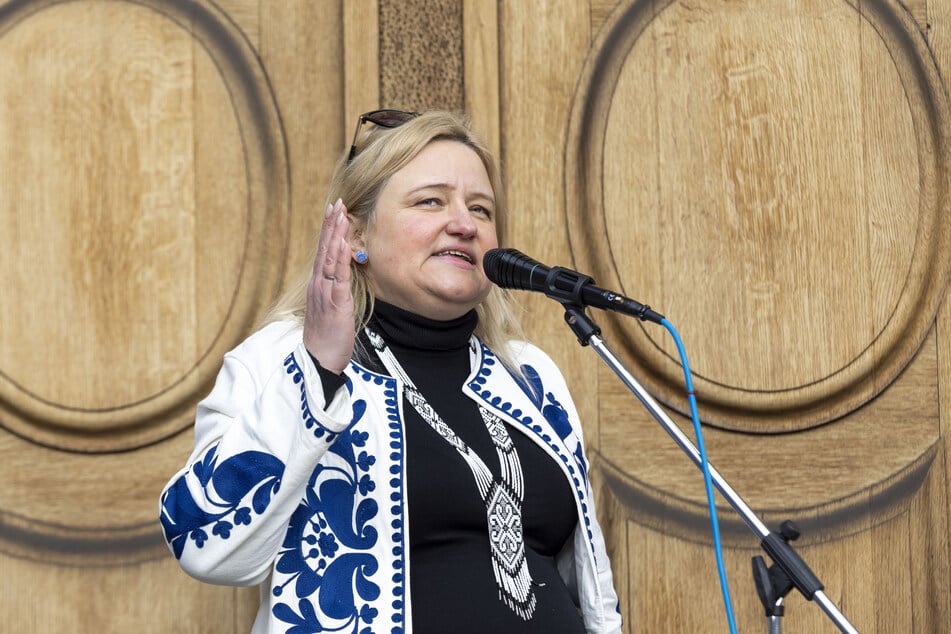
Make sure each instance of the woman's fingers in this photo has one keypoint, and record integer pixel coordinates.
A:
(329, 320)
(337, 227)
(326, 236)
(341, 272)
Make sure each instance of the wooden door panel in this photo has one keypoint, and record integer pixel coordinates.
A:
(773, 177)
(146, 220)
(157, 154)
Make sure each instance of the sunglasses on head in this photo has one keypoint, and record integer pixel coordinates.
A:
(386, 118)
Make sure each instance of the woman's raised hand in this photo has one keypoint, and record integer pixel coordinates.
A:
(329, 320)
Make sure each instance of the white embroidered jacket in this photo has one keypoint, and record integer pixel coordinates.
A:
(306, 498)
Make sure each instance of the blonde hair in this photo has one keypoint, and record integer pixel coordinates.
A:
(358, 182)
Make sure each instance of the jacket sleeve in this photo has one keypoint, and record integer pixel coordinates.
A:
(584, 564)
(596, 593)
(598, 596)
(259, 435)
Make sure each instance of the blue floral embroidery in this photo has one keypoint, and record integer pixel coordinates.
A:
(553, 411)
(554, 414)
(327, 549)
(310, 421)
(226, 487)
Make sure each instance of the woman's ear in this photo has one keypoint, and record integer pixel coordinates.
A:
(358, 246)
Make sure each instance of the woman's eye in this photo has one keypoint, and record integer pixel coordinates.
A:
(429, 202)
(479, 209)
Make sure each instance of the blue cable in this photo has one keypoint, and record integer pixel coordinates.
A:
(714, 522)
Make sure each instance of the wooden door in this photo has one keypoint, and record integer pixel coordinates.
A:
(146, 220)
(771, 175)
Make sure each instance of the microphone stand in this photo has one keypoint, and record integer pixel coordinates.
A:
(789, 568)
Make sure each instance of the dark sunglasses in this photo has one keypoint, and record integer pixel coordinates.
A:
(387, 118)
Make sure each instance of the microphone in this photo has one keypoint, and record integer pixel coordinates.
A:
(510, 268)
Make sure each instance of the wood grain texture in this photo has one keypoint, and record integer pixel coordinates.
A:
(361, 58)
(145, 151)
(304, 64)
(790, 175)
(794, 190)
(932, 530)
(166, 156)
(542, 51)
(480, 59)
(150, 598)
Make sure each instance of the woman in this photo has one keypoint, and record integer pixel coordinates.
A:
(383, 455)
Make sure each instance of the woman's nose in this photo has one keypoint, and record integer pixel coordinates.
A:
(460, 221)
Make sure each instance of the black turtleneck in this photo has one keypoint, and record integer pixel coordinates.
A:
(453, 586)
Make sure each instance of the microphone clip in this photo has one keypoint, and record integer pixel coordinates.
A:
(572, 296)
(572, 299)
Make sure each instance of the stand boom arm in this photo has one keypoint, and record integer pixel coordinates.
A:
(778, 549)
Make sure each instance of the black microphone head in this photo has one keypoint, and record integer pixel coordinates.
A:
(510, 268)
(492, 264)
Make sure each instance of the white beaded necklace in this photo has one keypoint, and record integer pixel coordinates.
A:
(503, 500)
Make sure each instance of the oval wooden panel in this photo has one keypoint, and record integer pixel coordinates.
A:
(144, 219)
(774, 178)
(144, 214)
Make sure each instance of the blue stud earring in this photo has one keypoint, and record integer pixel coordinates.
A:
(361, 256)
